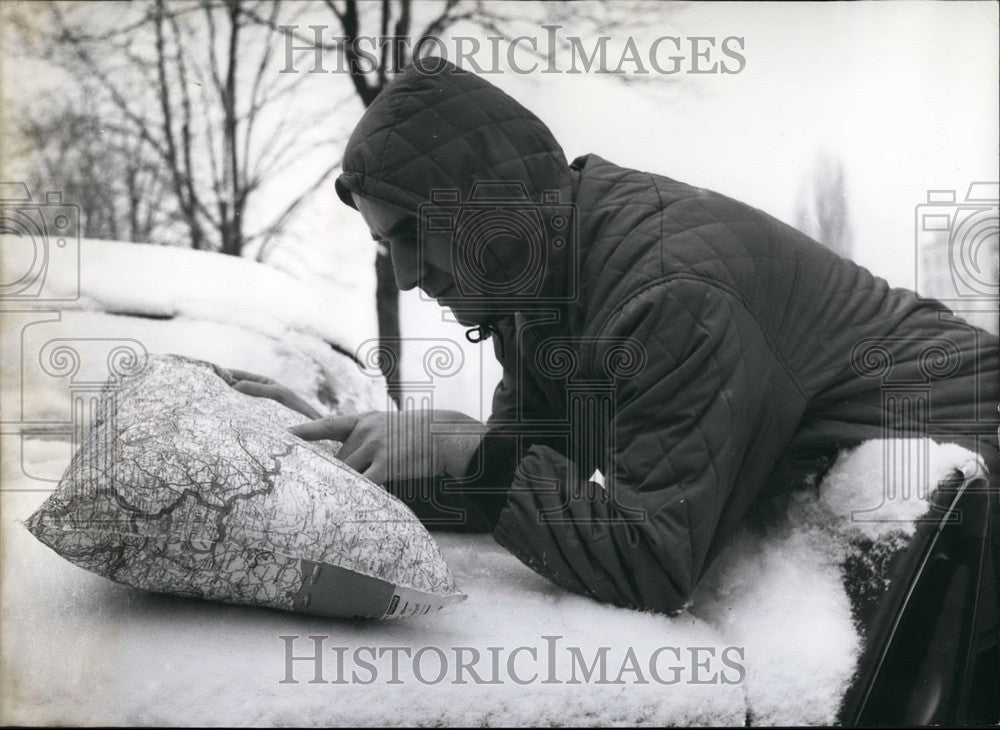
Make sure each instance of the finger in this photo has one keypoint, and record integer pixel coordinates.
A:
(358, 440)
(376, 472)
(247, 375)
(360, 460)
(280, 394)
(336, 428)
(346, 450)
(296, 402)
(257, 390)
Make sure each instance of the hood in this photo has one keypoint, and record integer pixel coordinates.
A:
(474, 158)
(437, 127)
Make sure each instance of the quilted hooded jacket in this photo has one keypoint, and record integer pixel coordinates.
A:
(684, 344)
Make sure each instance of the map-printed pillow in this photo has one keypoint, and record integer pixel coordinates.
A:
(186, 486)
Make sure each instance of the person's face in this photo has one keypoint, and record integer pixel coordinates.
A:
(413, 265)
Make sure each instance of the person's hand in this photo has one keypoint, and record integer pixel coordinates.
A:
(261, 386)
(391, 446)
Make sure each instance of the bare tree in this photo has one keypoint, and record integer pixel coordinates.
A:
(115, 178)
(196, 84)
(822, 209)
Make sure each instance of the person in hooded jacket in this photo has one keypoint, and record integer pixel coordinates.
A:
(681, 347)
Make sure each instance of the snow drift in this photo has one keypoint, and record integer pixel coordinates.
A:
(224, 309)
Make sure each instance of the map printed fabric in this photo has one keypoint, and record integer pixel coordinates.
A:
(186, 486)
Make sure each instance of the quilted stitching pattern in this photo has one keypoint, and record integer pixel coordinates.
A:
(445, 131)
(748, 328)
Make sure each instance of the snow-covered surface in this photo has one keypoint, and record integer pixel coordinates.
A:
(164, 281)
(904, 498)
(79, 649)
(780, 592)
(158, 299)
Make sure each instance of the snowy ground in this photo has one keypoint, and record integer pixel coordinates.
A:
(77, 649)
(86, 651)
(231, 311)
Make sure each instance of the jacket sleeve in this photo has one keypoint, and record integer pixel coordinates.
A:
(690, 428)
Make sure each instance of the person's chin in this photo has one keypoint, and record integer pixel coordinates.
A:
(465, 318)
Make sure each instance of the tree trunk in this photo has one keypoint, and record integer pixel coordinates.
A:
(231, 239)
(387, 308)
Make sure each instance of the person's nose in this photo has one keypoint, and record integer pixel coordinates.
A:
(405, 266)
